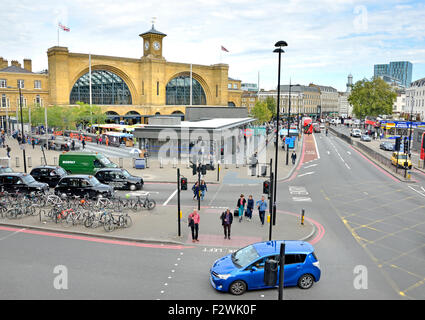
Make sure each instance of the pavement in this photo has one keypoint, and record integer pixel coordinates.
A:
(161, 224)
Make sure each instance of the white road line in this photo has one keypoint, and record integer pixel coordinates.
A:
(313, 165)
(13, 233)
(317, 149)
(302, 199)
(304, 174)
(422, 194)
(170, 197)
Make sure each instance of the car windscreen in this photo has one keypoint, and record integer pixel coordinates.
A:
(244, 256)
(402, 157)
(105, 161)
(28, 179)
(94, 181)
(126, 174)
(60, 171)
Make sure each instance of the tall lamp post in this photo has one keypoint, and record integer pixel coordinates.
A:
(278, 50)
(411, 125)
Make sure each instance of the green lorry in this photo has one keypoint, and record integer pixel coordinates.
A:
(84, 162)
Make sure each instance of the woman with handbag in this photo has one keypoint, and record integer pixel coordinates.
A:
(241, 206)
(193, 221)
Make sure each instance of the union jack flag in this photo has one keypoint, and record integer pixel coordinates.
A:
(63, 27)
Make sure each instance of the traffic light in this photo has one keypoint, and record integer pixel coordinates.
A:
(406, 146)
(203, 169)
(183, 183)
(397, 144)
(266, 187)
(194, 171)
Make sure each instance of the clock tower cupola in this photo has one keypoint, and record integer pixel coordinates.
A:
(152, 43)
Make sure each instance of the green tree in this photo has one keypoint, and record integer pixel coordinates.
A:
(85, 115)
(372, 98)
(271, 105)
(261, 112)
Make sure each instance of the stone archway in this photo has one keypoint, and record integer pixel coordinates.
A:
(198, 78)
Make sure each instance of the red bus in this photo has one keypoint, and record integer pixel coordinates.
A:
(423, 147)
(308, 125)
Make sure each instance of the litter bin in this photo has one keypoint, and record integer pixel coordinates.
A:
(140, 163)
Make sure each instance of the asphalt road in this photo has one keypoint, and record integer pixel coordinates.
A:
(374, 228)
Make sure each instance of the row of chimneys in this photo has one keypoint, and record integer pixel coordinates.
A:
(27, 64)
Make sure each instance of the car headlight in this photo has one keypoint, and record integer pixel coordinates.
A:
(223, 276)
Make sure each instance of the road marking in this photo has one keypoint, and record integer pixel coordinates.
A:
(422, 194)
(305, 174)
(329, 152)
(13, 233)
(312, 165)
(297, 190)
(349, 152)
(170, 197)
(317, 149)
(301, 199)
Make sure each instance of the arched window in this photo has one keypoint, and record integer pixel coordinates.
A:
(107, 88)
(178, 92)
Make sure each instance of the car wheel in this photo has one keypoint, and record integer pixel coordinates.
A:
(237, 288)
(133, 187)
(305, 281)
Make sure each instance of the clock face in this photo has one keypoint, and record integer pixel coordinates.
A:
(146, 45)
(156, 45)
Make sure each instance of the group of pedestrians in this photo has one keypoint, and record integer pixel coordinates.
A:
(199, 190)
(227, 216)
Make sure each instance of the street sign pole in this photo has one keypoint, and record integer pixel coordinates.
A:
(281, 273)
(178, 202)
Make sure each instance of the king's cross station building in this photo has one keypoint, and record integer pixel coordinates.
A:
(128, 90)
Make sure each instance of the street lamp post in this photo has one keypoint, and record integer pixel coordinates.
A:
(289, 123)
(279, 50)
(411, 127)
(22, 128)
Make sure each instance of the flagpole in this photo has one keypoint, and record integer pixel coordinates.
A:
(90, 90)
(58, 34)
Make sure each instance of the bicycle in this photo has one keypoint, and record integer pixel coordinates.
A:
(146, 203)
(117, 220)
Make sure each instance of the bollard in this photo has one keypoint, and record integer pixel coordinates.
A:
(121, 162)
(29, 162)
(408, 175)
(160, 163)
(174, 162)
(17, 162)
(42, 161)
(134, 162)
(226, 164)
(302, 216)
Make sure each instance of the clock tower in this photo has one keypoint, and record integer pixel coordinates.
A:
(152, 43)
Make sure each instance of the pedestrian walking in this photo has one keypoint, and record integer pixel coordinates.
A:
(262, 207)
(83, 142)
(226, 221)
(249, 208)
(73, 144)
(293, 157)
(195, 190)
(241, 206)
(193, 221)
(203, 189)
(8, 151)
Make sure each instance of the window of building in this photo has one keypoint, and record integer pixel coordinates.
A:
(157, 88)
(229, 86)
(37, 99)
(143, 88)
(37, 84)
(21, 84)
(235, 86)
(216, 90)
(3, 101)
(178, 92)
(3, 83)
(107, 88)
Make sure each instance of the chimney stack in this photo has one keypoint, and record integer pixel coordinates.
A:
(15, 63)
(28, 65)
(3, 63)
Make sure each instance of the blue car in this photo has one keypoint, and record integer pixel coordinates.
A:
(244, 269)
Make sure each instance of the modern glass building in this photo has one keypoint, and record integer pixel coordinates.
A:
(398, 70)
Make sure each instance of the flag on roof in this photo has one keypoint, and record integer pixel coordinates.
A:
(63, 27)
(224, 49)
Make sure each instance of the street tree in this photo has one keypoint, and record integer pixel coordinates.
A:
(261, 112)
(372, 98)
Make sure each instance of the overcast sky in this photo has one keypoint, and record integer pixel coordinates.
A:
(327, 39)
